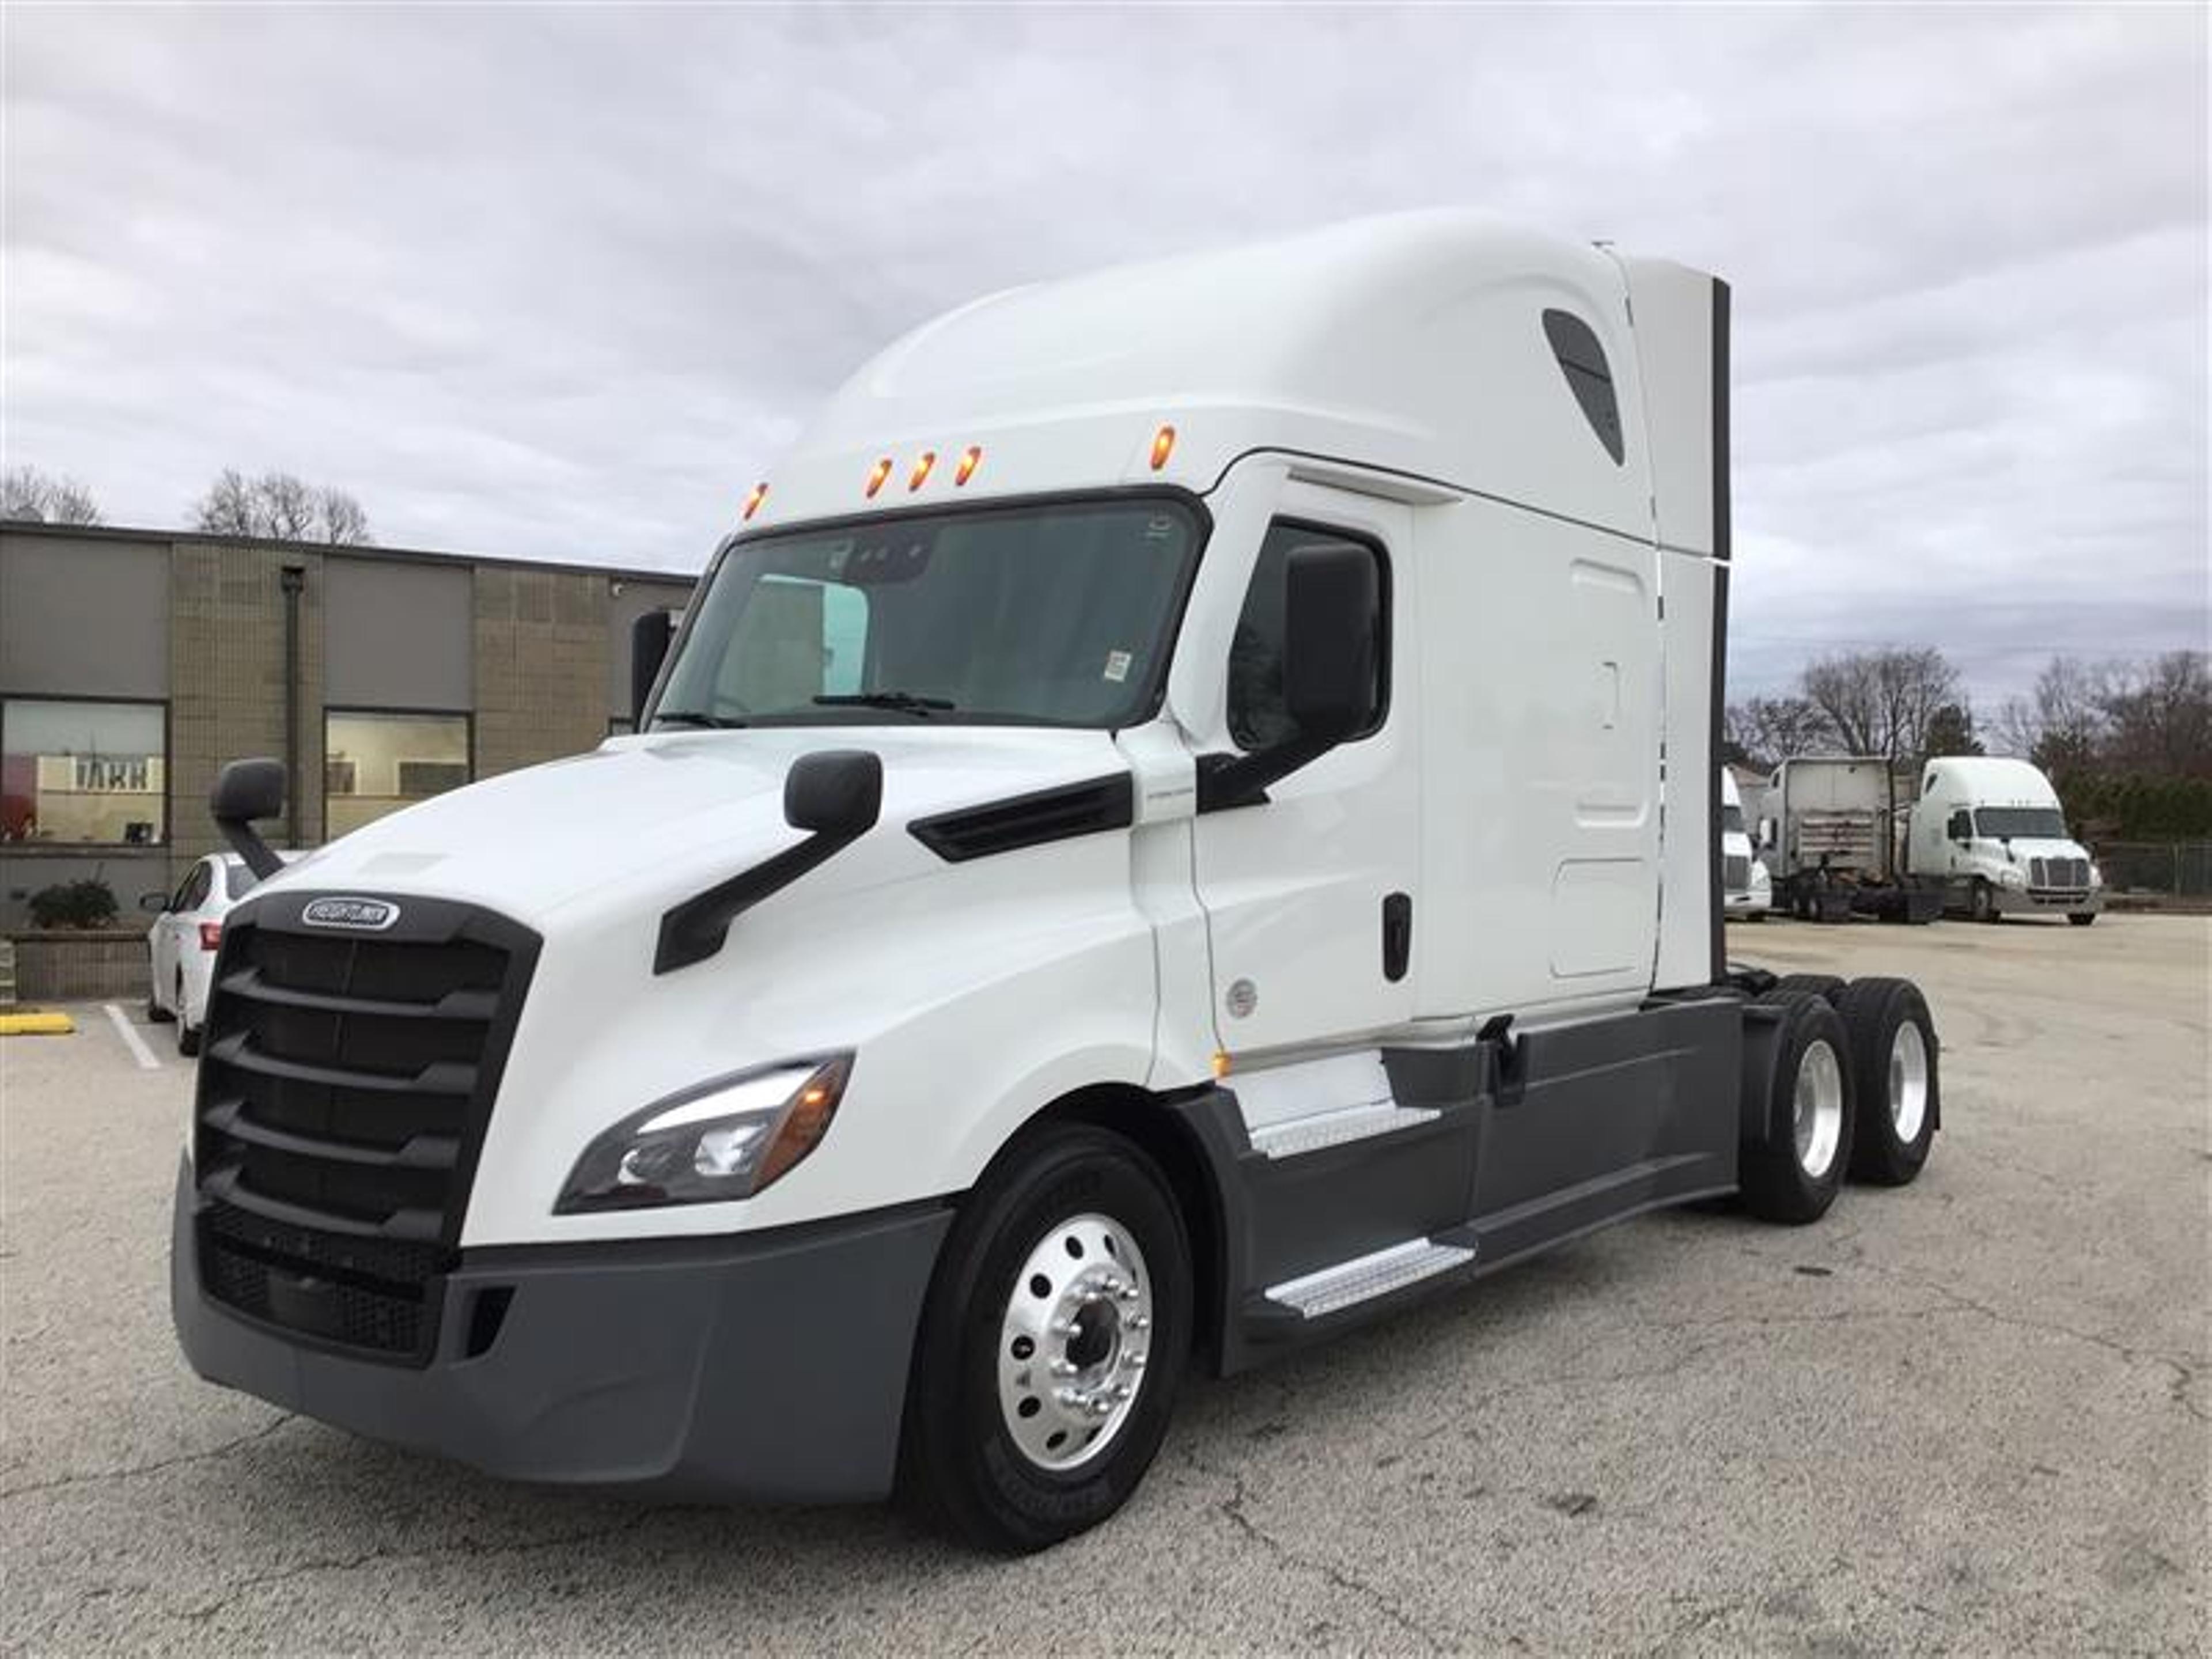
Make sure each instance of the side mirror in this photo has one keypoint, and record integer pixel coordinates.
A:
(247, 791)
(834, 792)
(1333, 596)
(649, 648)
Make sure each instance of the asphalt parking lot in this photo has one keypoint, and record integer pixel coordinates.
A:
(1969, 1415)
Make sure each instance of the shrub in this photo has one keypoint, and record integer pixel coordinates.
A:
(87, 903)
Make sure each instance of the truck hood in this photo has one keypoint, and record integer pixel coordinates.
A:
(665, 805)
(2025, 848)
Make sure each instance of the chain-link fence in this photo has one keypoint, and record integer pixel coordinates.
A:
(2171, 869)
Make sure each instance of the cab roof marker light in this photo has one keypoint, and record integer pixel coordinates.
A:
(921, 469)
(876, 474)
(1163, 446)
(970, 459)
(753, 501)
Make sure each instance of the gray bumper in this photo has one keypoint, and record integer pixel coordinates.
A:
(2028, 902)
(769, 1367)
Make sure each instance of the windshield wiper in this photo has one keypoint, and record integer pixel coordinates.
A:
(693, 717)
(904, 703)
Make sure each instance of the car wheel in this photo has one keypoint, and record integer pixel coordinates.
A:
(1982, 904)
(1052, 1344)
(1793, 1173)
(2081, 918)
(155, 1013)
(188, 1035)
(1897, 1104)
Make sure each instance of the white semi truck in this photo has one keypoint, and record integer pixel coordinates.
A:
(1829, 832)
(1991, 833)
(1747, 890)
(1183, 819)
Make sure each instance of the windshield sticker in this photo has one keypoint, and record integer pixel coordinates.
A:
(1117, 666)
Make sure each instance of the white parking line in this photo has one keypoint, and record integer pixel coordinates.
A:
(132, 1039)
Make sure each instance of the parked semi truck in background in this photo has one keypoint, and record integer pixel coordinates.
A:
(1991, 834)
(1829, 831)
(1747, 892)
(1150, 848)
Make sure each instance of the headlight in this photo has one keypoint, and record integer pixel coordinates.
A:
(2096, 876)
(2012, 876)
(724, 1139)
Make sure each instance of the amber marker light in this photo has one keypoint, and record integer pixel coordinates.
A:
(876, 474)
(1163, 446)
(970, 459)
(921, 469)
(1220, 1063)
(753, 501)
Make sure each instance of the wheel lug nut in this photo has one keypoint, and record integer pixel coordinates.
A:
(1063, 1367)
(1140, 1321)
(1134, 1362)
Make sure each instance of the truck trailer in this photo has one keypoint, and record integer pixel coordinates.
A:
(1830, 833)
(1990, 834)
(1183, 819)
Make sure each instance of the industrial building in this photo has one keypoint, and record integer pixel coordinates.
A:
(133, 664)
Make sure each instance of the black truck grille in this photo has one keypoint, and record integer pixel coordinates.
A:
(344, 1089)
(1735, 873)
(2071, 875)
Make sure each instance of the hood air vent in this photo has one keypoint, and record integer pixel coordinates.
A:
(1003, 826)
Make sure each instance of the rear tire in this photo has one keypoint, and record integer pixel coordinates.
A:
(155, 1013)
(1828, 987)
(2081, 918)
(1896, 1102)
(1793, 1174)
(188, 1035)
(999, 1444)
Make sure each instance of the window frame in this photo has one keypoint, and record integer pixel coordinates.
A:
(1385, 610)
(106, 847)
(466, 716)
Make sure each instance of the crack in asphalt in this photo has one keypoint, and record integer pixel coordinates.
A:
(384, 1553)
(96, 1477)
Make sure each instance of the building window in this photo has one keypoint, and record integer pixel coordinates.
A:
(1259, 717)
(83, 774)
(1582, 359)
(375, 763)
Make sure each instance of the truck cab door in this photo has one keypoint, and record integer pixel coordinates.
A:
(1310, 893)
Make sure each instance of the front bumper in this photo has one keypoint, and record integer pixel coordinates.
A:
(1757, 901)
(770, 1367)
(2047, 901)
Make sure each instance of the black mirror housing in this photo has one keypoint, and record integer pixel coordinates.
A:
(1334, 598)
(649, 637)
(247, 791)
(834, 792)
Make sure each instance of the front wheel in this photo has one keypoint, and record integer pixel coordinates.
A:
(188, 1035)
(1982, 904)
(1053, 1344)
(2081, 918)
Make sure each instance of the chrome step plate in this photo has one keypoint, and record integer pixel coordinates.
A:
(1310, 1133)
(1364, 1278)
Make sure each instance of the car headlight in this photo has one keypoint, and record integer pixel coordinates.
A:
(724, 1139)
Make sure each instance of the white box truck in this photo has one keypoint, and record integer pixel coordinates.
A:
(1747, 890)
(1182, 820)
(1829, 832)
(1989, 832)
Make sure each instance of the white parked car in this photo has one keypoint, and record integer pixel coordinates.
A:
(184, 939)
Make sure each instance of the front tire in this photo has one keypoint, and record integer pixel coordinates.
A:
(1792, 1174)
(1897, 1103)
(188, 1035)
(1053, 1344)
(1982, 901)
(2081, 918)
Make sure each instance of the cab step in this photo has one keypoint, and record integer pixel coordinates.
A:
(1316, 1295)
(1313, 1133)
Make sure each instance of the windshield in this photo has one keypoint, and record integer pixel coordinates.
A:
(1043, 616)
(1731, 819)
(2030, 822)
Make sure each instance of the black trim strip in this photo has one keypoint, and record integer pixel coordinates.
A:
(425, 1151)
(694, 930)
(1043, 816)
(444, 1077)
(1722, 530)
(454, 1004)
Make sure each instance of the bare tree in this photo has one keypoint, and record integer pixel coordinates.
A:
(1884, 703)
(1767, 731)
(2063, 724)
(281, 507)
(42, 498)
(2159, 719)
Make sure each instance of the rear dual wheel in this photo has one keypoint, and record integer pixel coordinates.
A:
(1053, 1344)
(1892, 1052)
(1793, 1173)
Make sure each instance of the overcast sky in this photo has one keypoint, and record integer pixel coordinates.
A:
(562, 282)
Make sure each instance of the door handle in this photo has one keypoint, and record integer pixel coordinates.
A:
(1397, 936)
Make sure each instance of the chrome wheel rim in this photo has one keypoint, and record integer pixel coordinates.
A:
(1818, 1107)
(1074, 1340)
(1908, 1081)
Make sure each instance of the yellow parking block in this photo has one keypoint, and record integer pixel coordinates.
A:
(36, 1024)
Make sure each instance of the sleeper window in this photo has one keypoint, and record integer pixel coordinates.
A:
(1258, 717)
(1589, 377)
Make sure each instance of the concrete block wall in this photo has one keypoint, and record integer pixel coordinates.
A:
(542, 641)
(226, 698)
